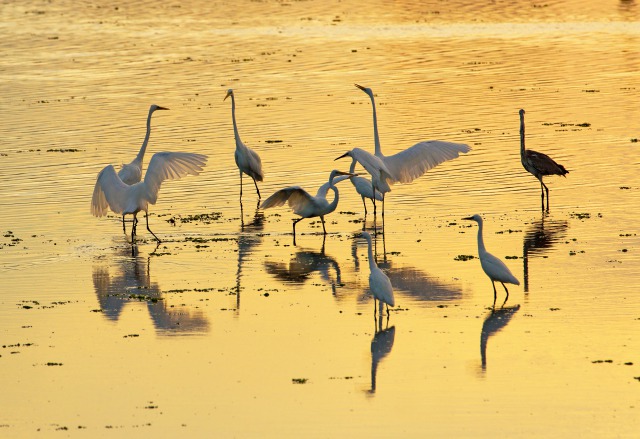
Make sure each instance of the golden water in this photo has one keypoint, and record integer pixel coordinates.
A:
(227, 329)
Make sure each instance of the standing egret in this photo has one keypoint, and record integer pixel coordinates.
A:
(247, 160)
(413, 162)
(379, 283)
(538, 164)
(131, 173)
(306, 205)
(110, 191)
(380, 174)
(364, 187)
(492, 266)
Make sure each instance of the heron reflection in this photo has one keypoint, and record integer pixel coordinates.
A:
(381, 346)
(493, 323)
(410, 280)
(249, 238)
(303, 264)
(129, 280)
(538, 239)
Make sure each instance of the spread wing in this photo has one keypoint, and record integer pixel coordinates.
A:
(411, 163)
(298, 199)
(169, 166)
(109, 191)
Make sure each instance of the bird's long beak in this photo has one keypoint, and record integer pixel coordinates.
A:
(468, 218)
(343, 155)
(360, 87)
(346, 173)
(227, 95)
(161, 108)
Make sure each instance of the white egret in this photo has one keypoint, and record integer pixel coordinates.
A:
(304, 204)
(413, 162)
(379, 283)
(492, 266)
(247, 160)
(111, 192)
(538, 164)
(131, 173)
(380, 174)
(364, 187)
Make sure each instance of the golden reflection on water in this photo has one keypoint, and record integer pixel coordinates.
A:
(276, 339)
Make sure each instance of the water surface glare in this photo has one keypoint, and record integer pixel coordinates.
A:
(226, 328)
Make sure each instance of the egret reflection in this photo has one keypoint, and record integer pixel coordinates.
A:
(381, 346)
(249, 238)
(409, 280)
(303, 264)
(130, 281)
(539, 238)
(493, 323)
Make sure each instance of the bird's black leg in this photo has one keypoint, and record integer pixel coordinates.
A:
(374, 199)
(240, 185)
(256, 185)
(382, 207)
(154, 235)
(375, 309)
(547, 191)
(296, 221)
(495, 293)
(365, 206)
(323, 228)
(124, 229)
(507, 291)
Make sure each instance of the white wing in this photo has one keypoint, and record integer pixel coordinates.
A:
(109, 190)
(381, 286)
(299, 200)
(130, 173)
(363, 187)
(380, 174)
(411, 163)
(496, 269)
(249, 162)
(170, 165)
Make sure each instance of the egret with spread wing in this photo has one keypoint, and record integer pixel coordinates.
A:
(538, 164)
(492, 266)
(413, 162)
(305, 205)
(111, 192)
(247, 160)
(379, 283)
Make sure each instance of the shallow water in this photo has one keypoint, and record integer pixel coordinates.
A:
(228, 329)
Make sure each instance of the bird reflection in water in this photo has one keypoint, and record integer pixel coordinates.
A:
(132, 283)
(493, 323)
(249, 238)
(303, 264)
(538, 239)
(381, 346)
(411, 281)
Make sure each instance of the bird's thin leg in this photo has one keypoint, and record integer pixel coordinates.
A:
(256, 185)
(154, 235)
(507, 291)
(365, 206)
(241, 185)
(387, 312)
(547, 191)
(323, 228)
(382, 207)
(296, 221)
(375, 309)
(124, 229)
(495, 293)
(374, 199)
(541, 192)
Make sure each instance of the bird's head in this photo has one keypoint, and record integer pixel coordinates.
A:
(367, 90)
(336, 173)
(477, 218)
(521, 112)
(229, 93)
(155, 107)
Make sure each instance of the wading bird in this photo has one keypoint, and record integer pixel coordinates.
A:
(131, 173)
(538, 164)
(413, 162)
(306, 205)
(379, 283)
(364, 187)
(380, 174)
(248, 160)
(492, 266)
(111, 192)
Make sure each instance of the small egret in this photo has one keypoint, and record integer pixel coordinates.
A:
(110, 191)
(413, 162)
(492, 266)
(247, 160)
(538, 164)
(306, 205)
(131, 173)
(364, 187)
(380, 174)
(379, 283)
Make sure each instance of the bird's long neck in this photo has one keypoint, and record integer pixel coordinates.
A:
(481, 248)
(372, 261)
(233, 117)
(143, 148)
(334, 203)
(352, 168)
(376, 137)
(521, 135)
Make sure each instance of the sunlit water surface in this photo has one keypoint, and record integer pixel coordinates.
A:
(228, 330)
